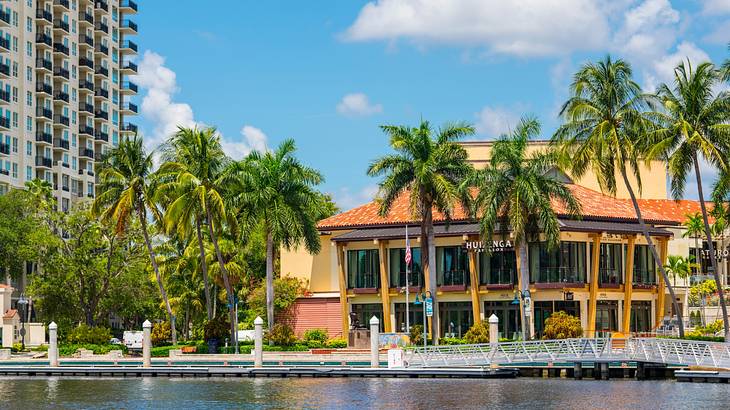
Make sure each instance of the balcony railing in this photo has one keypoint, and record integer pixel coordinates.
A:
(5, 16)
(557, 275)
(84, 39)
(128, 127)
(44, 88)
(101, 5)
(101, 48)
(644, 277)
(100, 92)
(102, 71)
(44, 64)
(60, 143)
(5, 69)
(128, 85)
(61, 72)
(4, 96)
(101, 136)
(101, 114)
(126, 23)
(4, 148)
(60, 96)
(86, 152)
(506, 276)
(61, 3)
(86, 17)
(130, 66)
(611, 277)
(457, 277)
(87, 130)
(99, 26)
(4, 171)
(41, 161)
(128, 4)
(131, 45)
(44, 112)
(42, 136)
(85, 62)
(129, 107)
(416, 279)
(60, 24)
(60, 119)
(5, 122)
(43, 38)
(5, 43)
(44, 15)
(60, 48)
(86, 107)
(368, 280)
(87, 85)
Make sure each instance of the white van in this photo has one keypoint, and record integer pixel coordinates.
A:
(133, 339)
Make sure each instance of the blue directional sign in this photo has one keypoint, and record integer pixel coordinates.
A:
(429, 307)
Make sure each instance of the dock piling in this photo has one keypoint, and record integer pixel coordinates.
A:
(258, 343)
(374, 341)
(53, 344)
(146, 343)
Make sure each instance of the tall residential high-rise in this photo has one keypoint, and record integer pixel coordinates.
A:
(65, 96)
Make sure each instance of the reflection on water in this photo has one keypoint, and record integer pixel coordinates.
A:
(160, 393)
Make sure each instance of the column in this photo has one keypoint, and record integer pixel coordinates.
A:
(258, 343)
(53, 344)
(661, 285)
(384, 284)
(343, 290)
(146, 343)
(474, 288)
(591, 331)
(628, 285)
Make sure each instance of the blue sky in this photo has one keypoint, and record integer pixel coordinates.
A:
(327, 73)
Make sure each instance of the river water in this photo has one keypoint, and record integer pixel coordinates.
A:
(162, 393)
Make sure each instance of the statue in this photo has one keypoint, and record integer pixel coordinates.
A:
(355, 321)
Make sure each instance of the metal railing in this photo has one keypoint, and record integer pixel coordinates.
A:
(653, 350)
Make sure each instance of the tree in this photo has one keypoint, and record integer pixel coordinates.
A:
(430, 167)
(605, 131)
(125, 190)
(695, 126)
(275, 190)
(679, 266)
(518, 188)
(561, 325)
(694, 226)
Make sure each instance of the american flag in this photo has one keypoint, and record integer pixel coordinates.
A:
(408, 249)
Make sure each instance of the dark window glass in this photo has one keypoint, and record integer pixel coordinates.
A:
(610, 268)
(365, 311)
(452, 266)
(644, 266)
(543, 310)
(363, 269)
(456, 318)
(498, 268)
(398, 268)
(640, 316)
(565, 264)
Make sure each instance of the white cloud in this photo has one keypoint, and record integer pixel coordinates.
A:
(492, 122)
(157, 105)
(254, 140)
(663, 68)
(357, 105)
(720, 34)
(346, 199)
(648, 31)
(715, 6)
(526, 28)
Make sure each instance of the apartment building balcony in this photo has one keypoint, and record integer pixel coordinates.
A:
(61, 48)
(128, 47)
(128, 108)
(5, 123)
(101, 114)
(86, 130)
(60, 96)
(128, 87)
(98, 156)
(128, 7)
(86, 85)
(45, 162)
(43, 137)
(43, 112)
(60, 121)
(43, 17)
(86, 19)
(4, 70)
(86, 107)
(85, 41)
(4, 97)
(128, 26)
(60, 143)
(129, 68)
(43, 41)
(60, 163)
(60, 72)
(4, 44)
(44, 88)
(60, 25)
(86, 152)
(87, 171)
(101, 93)
(101, 49)
(43, 64)
(86, 63)
(101, 6)
(61, 5)
(128, 127)
(4, 18)
(99, 26)
(102, 71)
(4, 148)
(100, 135)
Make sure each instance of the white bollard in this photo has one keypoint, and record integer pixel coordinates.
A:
(374, 339)
(493, 329)
(53, 344)
(146, 343)
(258, 342)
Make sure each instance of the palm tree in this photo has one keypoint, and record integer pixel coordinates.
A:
(124, 191)
(518, 188)
(603, 131)
(430, 168)
(679, 266)
(193, 159)
(276, 190)
(695, 126)
(693, 229)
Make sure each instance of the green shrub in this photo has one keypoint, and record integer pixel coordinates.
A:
(417, 335)
(84, 334)
(319, 335)
(161, 334)
(477, 333)
(41, 348)
(70, 349)
(16, 347)
(217, 328)
(452, 341)
(336, 343)
(281, 335)
(561, 325)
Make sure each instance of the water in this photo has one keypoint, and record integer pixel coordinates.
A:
(161, 393)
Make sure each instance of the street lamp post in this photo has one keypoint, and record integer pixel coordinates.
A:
(421, 299)
(523, 296)
(22, 302)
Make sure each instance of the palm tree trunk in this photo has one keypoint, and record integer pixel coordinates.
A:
(525, 282)
(204, 268)
(224, 272)
(153, 260)
(428, 259)
(659, 263)
(711, 248)
(269, 278)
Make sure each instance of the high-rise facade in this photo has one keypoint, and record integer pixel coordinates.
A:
(65, 93)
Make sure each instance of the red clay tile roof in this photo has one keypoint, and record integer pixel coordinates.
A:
(594, 205)
(10, 313)
(676, 211)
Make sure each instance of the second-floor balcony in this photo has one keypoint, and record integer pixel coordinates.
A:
(101, 114)
(100, 26)
(128, 26)
(44, 112)
(101, 48)
(43, 137)
(86, 18)
(61, 72)
(85, 41)
(102, 71)
(101, 92)
(129, 68)
(86, 62)
(128, 108)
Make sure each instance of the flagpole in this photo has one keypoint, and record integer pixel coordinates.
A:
(408, 285)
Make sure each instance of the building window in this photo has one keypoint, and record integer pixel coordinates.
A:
(397, 263)
(28, 148)
(415, 316)
(364, 311)
(456, 318)
(29, 49)
(641, 316)
(363, 269)
(509, 317)
(543, 310)
(610, 266)
(606, 316)
(644, 266)
(28, 172)
(565, 264)
(15, 170)
(28, 74)
(452, 266)
(498, 268)
(29, 98)
(29, 24)
(29, 123)
(15, 144)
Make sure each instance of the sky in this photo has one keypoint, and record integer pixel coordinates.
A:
(328, 73)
